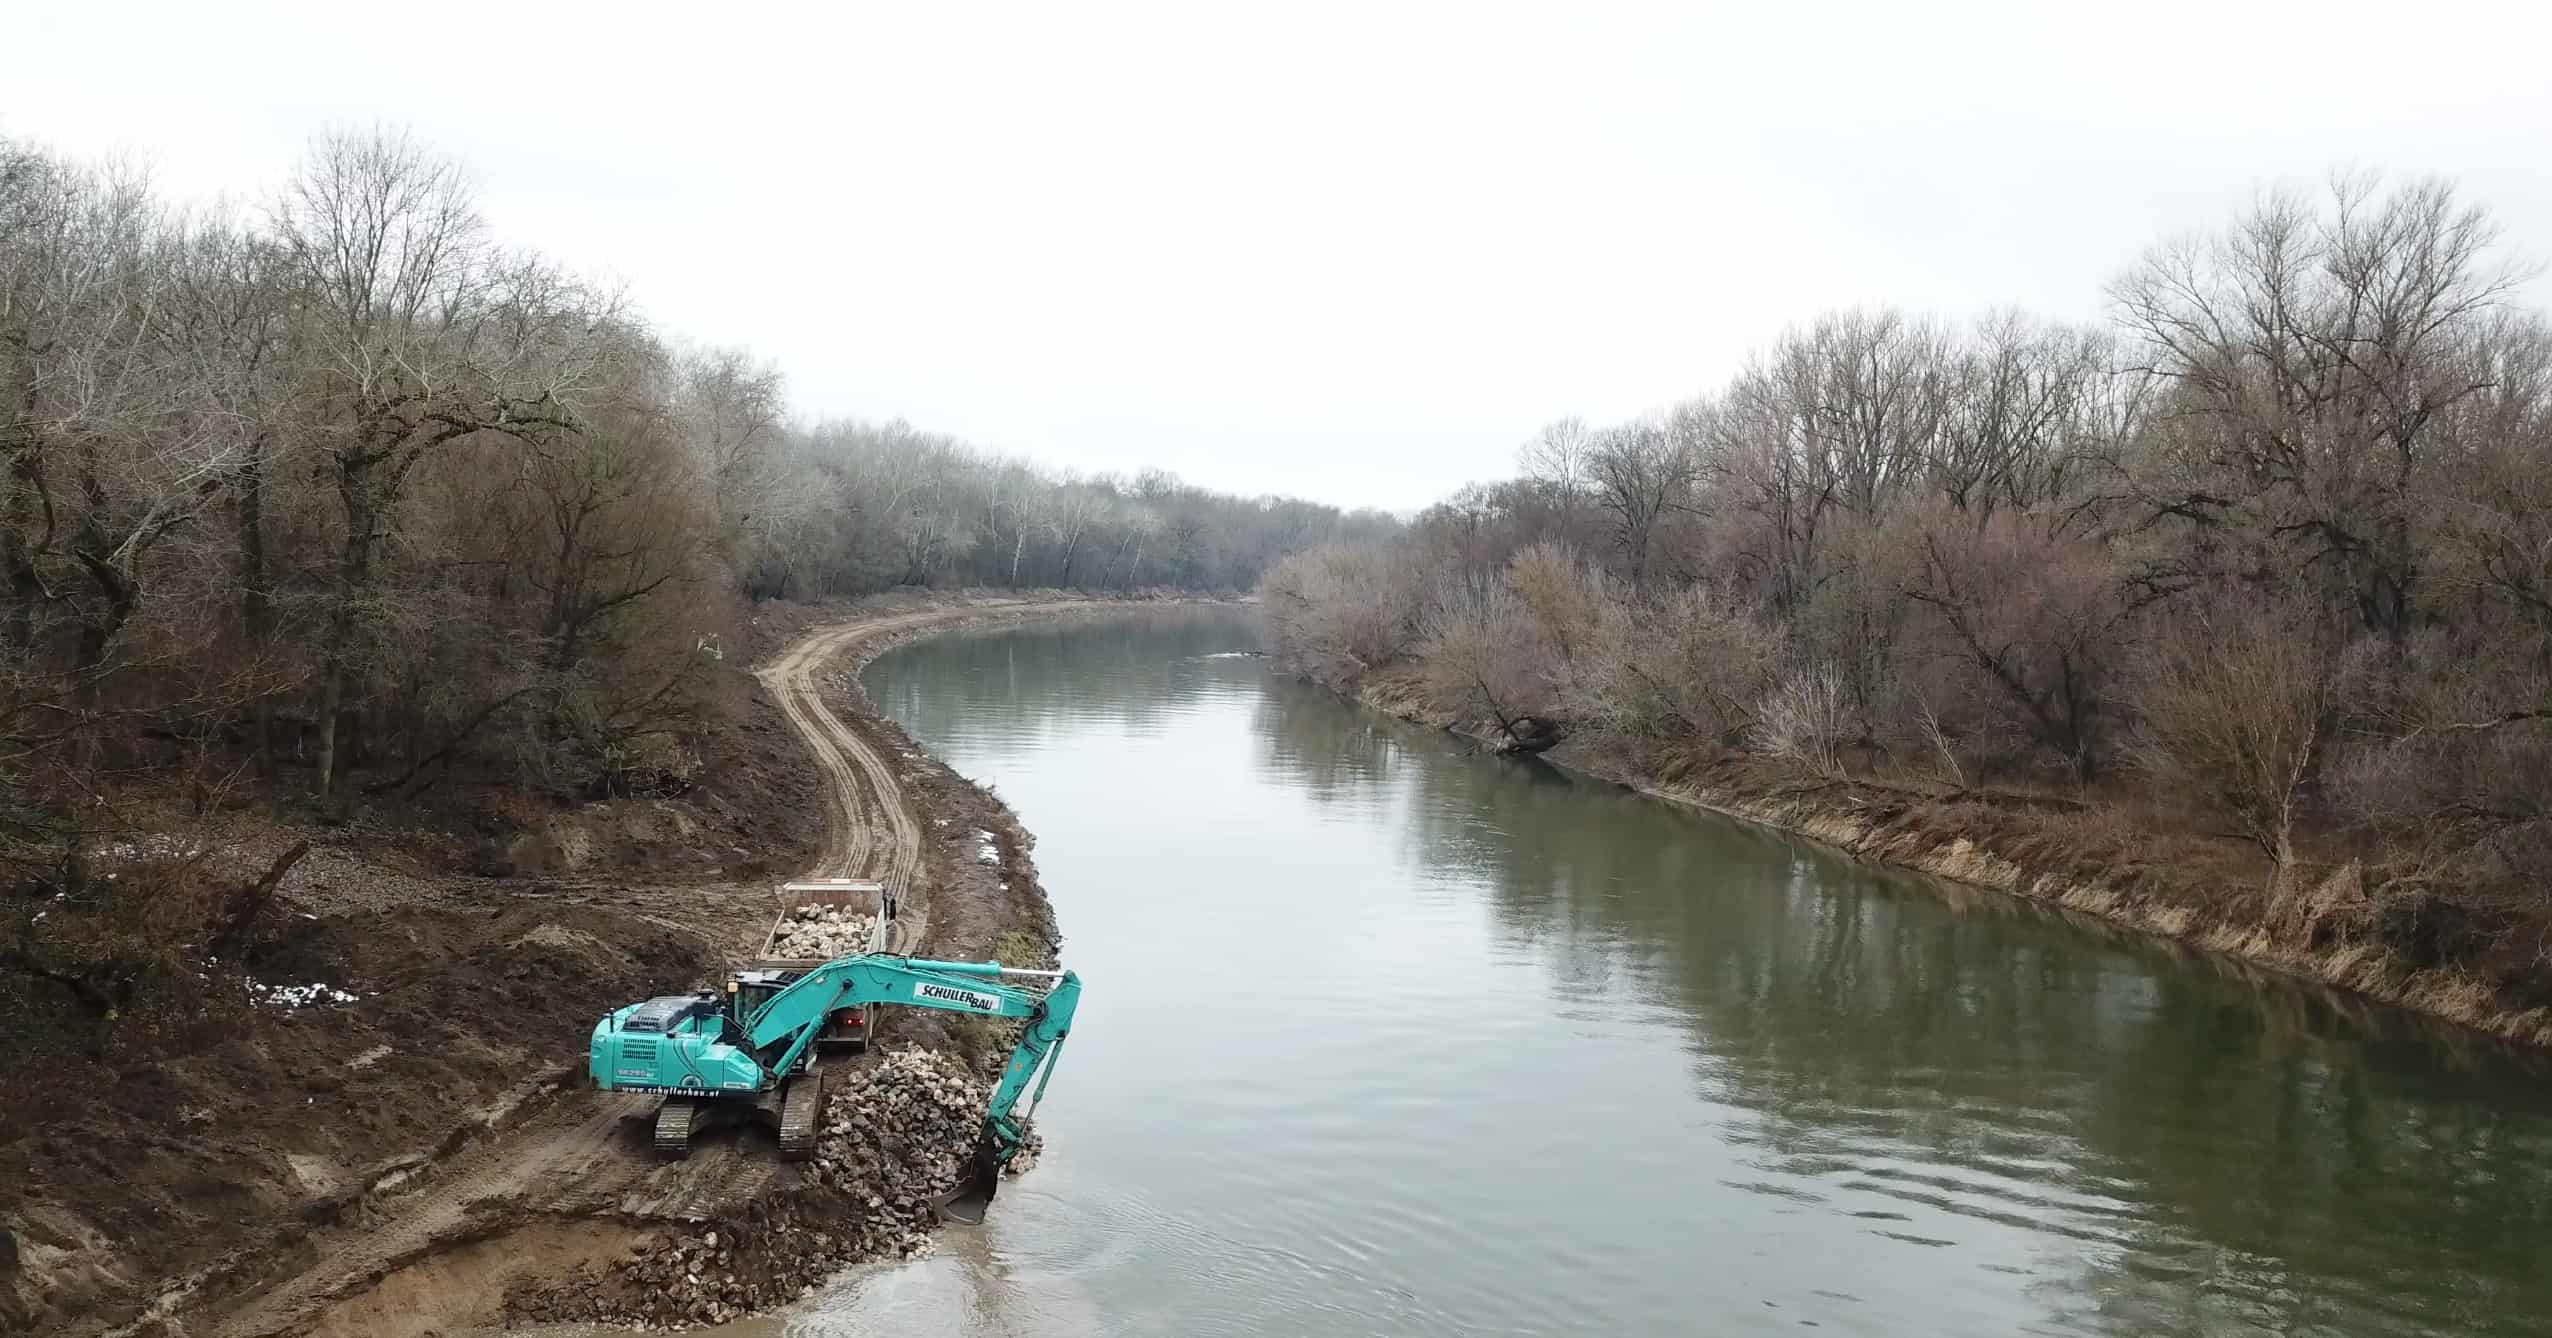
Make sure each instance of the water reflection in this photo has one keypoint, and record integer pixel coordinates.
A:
(1484, 1049)
(1040, 676)
(2224, 1148)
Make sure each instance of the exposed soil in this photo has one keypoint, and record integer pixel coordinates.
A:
(398, 1163)
(895, 1141)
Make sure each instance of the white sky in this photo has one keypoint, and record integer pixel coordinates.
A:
(1355, 253)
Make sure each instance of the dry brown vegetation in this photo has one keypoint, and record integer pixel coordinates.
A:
(313, 505)
(2260, 568)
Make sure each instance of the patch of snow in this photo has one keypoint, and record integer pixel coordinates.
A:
(158, 845)
(292, 998)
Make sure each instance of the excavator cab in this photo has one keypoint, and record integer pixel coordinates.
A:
(846, 1028)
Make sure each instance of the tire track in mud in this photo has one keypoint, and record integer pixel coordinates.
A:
(573, 1155)
(873, 829)
(870, 832)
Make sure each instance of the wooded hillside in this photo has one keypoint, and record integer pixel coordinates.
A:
(333, 487)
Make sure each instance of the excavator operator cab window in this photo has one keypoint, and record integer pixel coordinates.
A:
(752, 989)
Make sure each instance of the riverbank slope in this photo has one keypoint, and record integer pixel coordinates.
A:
(400, 1155)
(2414, 949)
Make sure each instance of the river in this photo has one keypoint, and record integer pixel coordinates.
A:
(1385, 1036)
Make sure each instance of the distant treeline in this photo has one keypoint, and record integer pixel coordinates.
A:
(338, 481)
(855, 507)
(2269, 548)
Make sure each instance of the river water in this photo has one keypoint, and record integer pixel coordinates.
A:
(1383, 1036)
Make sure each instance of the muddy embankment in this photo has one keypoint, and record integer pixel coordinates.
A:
(425, 1156)
(2418, 952)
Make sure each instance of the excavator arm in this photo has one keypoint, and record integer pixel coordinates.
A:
(688, 1046)
(779, 1032)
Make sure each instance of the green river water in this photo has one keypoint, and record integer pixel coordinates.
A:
(1383, 1036)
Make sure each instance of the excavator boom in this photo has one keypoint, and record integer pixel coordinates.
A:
(696, 1048)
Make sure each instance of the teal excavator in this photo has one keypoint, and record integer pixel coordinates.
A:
(750, 1051)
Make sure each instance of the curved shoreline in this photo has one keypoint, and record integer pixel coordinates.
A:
(1867, 822)
(527, 1222)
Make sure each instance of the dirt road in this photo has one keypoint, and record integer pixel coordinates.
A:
(869, 831)
(563, 1173)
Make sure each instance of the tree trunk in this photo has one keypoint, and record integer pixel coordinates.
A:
(24, 481)
(332, 695)
(256, 603)
(354, 587)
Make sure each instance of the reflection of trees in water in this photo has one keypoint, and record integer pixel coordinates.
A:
(2204, 1148)
(1139, 668)
(1310, 741)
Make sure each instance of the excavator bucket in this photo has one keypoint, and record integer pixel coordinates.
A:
(974, 1197)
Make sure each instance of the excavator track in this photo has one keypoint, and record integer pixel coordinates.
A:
(673, 1128)
(801, 1116)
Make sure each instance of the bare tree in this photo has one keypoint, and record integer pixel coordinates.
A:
(1070, 513)
(1691, 666)
(2321, 354)
(1137, 525)
(423, 335)
(2236, 704)
(2012, 425)
(230, 327)
(1478, 650)
(733, 414)
(1557, 463)
(2039, 616)
(1340, 610)
(1805, 719)
(1640, 473)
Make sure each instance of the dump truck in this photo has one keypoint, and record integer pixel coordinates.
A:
(805, 910)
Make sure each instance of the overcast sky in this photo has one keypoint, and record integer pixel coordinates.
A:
(1355, 253)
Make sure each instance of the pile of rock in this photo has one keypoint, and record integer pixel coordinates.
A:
(823, 931)
(899, 1137)
(899, 1134)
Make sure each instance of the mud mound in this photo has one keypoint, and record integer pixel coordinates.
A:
(898, 1134)
(377, 1040)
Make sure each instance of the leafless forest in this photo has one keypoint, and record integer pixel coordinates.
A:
(327, 493)
(2263, 557)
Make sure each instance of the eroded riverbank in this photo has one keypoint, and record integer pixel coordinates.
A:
(2329, 930)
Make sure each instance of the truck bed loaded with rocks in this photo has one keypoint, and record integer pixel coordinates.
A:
(821, 919)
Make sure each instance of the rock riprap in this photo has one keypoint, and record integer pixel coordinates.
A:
(899, 1133)
(823, 932)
